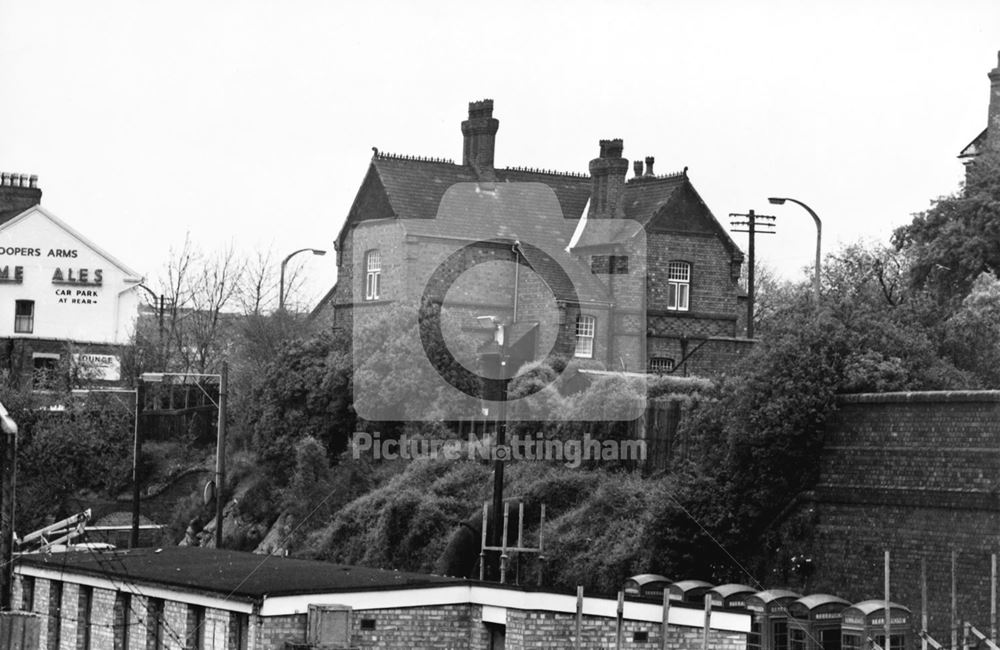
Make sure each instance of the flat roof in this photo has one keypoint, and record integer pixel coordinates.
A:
(229, 573)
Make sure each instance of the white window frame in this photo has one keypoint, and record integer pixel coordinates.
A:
(373, 274)
(660, 365)
(678, 285)
(24, 323)
(586, 330)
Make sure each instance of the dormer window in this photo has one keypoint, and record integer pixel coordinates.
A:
(373, 275)
(678, 285)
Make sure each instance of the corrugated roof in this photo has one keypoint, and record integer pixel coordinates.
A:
(813, 601)
(727, 590)
(646, 578)
(774, 594)
(227, 573)
(867, 607)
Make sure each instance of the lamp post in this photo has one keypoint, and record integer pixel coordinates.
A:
(284, 262)
(220, 465)
(499, 337)
(8, 431)
(819, 237)
(159, 302)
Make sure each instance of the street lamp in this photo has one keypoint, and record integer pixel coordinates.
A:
(281, 285)
(220, 466)
(159, 302)
(499, 337)
(8, 468)
(819, 236)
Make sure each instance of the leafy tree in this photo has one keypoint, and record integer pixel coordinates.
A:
(958, 238)
(84, 447)
(972, 339)
(304, 392)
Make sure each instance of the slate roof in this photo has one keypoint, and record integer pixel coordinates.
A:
(645, 197)
(435, 199)
(7, 215)
(228, 573)
(415, 186)
(427, 196)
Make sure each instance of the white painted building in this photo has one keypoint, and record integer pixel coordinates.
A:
(63, 299)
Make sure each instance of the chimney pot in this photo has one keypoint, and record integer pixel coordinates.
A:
(611, 148)
(649, 165)
(608, 173)
(19, 191)
(479, 139)
(637, 168)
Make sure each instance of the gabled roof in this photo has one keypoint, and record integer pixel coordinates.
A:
(646, 195)
(7, 215)
(650, 198)
(131, 276)
(975, 147)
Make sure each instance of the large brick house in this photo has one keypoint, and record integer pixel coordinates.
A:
(635, 273)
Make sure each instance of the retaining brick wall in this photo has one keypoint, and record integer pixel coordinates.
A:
(919, 474)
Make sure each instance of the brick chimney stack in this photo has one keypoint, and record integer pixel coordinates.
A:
(18, 192)
(607, 174)
(993, 123)
(480, 135)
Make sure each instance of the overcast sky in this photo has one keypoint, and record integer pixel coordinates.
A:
(253, 122)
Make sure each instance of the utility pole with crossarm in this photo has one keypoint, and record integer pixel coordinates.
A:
(753, 224)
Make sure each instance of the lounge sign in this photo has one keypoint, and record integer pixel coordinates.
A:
(104, 367)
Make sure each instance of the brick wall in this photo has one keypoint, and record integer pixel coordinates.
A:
(551, 629)
(461, 627)
(918, 474)
(457, 626)
(713, 291)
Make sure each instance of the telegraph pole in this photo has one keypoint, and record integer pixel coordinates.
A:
(753, 224)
